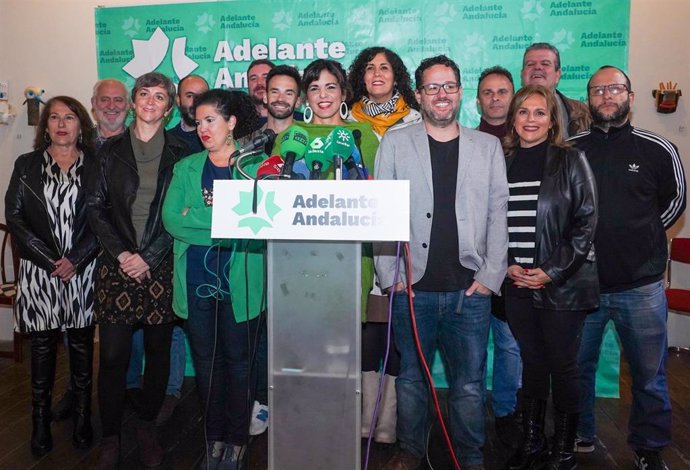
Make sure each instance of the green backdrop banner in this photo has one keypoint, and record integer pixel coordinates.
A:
(218, 40)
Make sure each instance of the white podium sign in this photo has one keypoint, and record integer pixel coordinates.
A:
(312, 210)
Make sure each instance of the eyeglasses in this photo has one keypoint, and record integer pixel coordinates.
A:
(614, 89)
(433, 88)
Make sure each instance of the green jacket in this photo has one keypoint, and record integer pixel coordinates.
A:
(194, 228)
(369, 145)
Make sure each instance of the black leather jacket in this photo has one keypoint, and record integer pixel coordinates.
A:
(113, 185)
(564, 232)
(28, 221)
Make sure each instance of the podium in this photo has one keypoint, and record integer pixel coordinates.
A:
(314, 302)
(314, 326)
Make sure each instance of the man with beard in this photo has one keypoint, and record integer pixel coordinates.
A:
(458, 249)
(541, 65)
(188, 88)
(256, 84)
(641, 187)
(110, 104)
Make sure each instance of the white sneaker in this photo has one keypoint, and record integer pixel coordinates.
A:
(259, 422)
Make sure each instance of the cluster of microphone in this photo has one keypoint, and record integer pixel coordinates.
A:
(302, 158)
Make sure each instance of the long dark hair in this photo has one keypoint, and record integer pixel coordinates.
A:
(232, 103)
(85, 143)
(511, 141)
(403, 82)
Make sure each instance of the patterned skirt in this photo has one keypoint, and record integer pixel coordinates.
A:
(122, 301)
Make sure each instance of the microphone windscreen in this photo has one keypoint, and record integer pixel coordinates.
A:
(294, 141)
(341, 142)
(271, 166)
(318, 153)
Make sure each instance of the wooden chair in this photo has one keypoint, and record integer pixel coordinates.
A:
(8, 287)
(678, 298)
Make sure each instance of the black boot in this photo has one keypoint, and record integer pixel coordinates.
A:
(81, 367)
(64, 408)
(533, 438)
(561, 456)
(43, 358)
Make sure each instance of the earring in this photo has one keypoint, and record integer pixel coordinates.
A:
(81, 139)
(228, 139)
(344, 110)
(308, 114)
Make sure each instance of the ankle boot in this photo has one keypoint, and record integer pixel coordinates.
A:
(561, 456)
(150, 450)
(388, 413)
(370, 387)
(533, 438)
(81, 367)
(43, 357)
(110, 453)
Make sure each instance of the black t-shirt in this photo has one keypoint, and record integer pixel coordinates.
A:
(444, 273)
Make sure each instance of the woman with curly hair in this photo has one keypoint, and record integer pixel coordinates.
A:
(383, 97)
(381, 90)
(218, 284)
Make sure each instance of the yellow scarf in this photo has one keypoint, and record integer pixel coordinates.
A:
(380, 123)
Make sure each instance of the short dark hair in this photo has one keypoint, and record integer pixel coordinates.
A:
(537, 46)
(430, 62)
(313, 72)
(400, 74)
(85, 144)
(495, 70)
(152, 79)
(179, 84)
(256, 62)
(232, 103)
(286, 70)
(627, 79)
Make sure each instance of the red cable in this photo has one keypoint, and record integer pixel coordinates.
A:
(423, 360)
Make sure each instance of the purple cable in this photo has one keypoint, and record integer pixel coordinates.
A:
(374, 418)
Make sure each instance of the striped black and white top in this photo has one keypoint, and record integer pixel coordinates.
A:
(524, 181)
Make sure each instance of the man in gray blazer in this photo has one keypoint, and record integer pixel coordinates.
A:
(458, 248)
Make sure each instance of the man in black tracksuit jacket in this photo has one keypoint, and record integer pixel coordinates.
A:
(641, 187)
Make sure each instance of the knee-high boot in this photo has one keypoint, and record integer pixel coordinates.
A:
(533, 438)
(561, 455)
(81, 368)
(43, 358)
(385, 432)
(370, 385)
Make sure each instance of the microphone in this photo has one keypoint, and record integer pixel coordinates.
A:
(299, 170)
(341, 143)
(354, 167)
(293, 145)
(256, 143)
(317, 158)
(270, 167)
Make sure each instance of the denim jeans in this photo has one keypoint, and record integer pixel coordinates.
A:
(507, 369)
(459, 326)
(178, 361)
(639, 316)
(221, 349)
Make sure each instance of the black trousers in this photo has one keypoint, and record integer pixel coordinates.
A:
(549, 341)
(115, 345)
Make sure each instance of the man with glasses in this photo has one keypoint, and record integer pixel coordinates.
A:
(458, 247)
(641, 187)
(541, 65)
